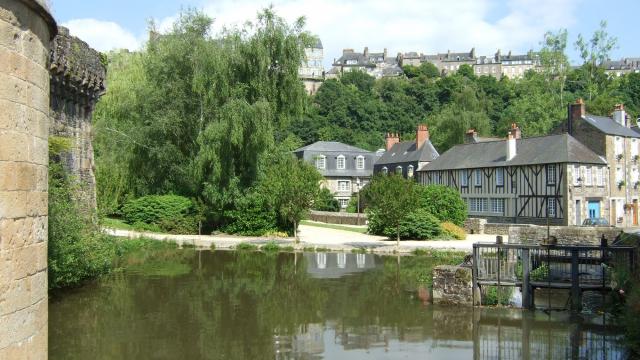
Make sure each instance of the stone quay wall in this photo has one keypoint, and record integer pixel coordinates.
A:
(453, 285)
(566, 235)
(26, 28)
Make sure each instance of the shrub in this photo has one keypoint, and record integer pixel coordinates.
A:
(270, 246)
(76, 251)
(246, 247)
(498, 295)
(443, 202)
(170, 213)
(453, 230)
(326, 202)
(416, 225)
(251, 217)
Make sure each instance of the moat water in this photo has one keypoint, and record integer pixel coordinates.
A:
(188, 304)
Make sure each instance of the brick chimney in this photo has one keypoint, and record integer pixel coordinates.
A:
(422, 135)
(391, 139)
(471, 136)
(515, 131)
(576, 112)
(619, 115)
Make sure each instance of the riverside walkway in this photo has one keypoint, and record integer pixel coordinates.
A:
(313, 237)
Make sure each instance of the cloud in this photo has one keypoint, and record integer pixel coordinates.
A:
(426, 26)
(103, 35)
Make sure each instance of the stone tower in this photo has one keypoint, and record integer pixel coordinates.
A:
(26, 28)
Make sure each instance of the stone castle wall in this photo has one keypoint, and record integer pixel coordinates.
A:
(77, 82)
(26, 28)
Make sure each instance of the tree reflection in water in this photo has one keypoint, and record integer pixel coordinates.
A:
(251, 305)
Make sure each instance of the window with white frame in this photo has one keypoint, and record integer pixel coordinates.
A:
(600, 176)
(576, 175)
(342, 260)
(551, 207)
(385, 170)
(497, 206)
(619, 146)
(551, 174)
(343, 203)
(344, 185)
(477, 177)
(478, 205)
(634, 148)
(340, 162)
(399, 170)
(588, 176)
(360, 162)
(321, 162)
(410, 171)
(499, 177)
(619, 175)
(634, 175)
(464, 178)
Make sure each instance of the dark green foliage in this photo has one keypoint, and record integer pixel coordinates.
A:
(76, 250)
(170, 213)
(497, 295)
(416, 225)
(246, 247)
(251, 216)
(325, 201)
(443, 202)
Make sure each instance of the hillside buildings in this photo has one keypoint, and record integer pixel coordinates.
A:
(622, 67)
(406, 157)
(345, 168)
(375, 64)
(311, 70)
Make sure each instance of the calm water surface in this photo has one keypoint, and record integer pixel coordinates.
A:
(187, 304)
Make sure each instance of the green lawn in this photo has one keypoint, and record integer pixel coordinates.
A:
(361, 230)
(115, 224)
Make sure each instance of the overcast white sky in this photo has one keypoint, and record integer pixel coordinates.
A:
(427, 26)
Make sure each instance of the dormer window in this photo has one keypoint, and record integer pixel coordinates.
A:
(410, 171)
(360, 162)
(385, 170)
(340, 162)
(321, 162)
(399, 170)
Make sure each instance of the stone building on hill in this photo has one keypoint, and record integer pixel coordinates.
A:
(346, 169)
(406, 157)
(622, 67)
(311, 70)
(450, 62)
(377, 65)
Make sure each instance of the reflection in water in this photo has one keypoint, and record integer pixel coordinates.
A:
(247, 305)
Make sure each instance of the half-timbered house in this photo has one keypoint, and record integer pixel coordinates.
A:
(518, 180)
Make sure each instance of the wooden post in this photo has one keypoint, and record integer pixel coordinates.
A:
(498, 290)
(576, 299)
(526, 287)
(474, 273)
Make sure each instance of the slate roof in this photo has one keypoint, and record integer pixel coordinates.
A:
(609, 126)
(550, 149)
(406, 151)
(331, 146)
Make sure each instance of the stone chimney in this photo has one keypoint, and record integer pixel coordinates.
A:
(619, 115)
(422, 135)
(471, 136)
(515, 131)
(347, 51)
(366, 51)
(576, 112)
(511, 147)
(384, 56)
(391, 140)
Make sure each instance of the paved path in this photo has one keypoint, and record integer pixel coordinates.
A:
(316, 237)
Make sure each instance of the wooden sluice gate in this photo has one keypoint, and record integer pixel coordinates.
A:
(576, 268)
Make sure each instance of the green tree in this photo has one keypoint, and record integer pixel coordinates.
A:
(389, 197)
(291, 185)
(325, 201)
(443, 202)
(554, 61)
(594, 53)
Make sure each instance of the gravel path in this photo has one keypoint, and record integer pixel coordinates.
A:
(316, 237)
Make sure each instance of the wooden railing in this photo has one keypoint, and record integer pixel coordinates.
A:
(556, 266)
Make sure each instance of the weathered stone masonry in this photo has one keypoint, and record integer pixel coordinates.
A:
(26, 28)
(77, 82)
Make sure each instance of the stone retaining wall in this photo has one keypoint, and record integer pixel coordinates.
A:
(26, 28)
(338, 217)
(452, 285)
(566, 235)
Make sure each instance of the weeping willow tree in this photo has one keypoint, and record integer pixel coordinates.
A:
(195, 114)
